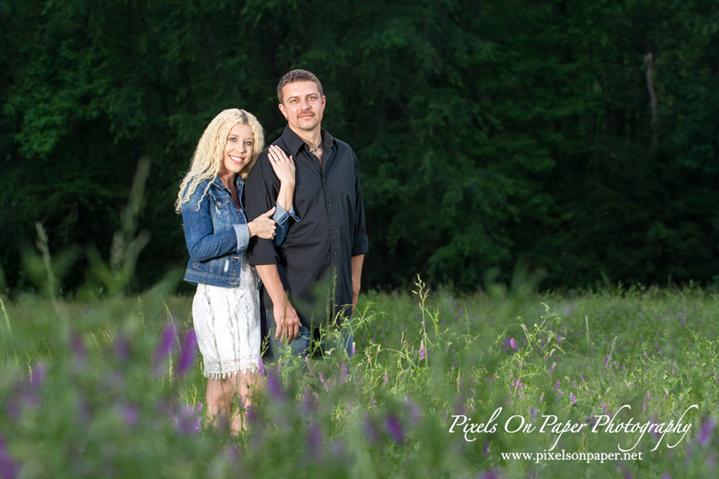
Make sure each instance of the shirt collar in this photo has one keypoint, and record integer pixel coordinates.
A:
(294, 143)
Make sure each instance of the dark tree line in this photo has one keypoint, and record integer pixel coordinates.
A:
(577, 137)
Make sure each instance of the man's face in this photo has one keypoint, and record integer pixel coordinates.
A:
(302, 105)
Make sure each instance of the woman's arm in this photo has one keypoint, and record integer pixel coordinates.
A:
(285, 170)
(204, 244)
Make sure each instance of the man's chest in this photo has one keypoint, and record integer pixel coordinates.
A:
(325, 190)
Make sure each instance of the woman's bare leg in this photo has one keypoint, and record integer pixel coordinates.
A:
(219, 397)
(246, 385)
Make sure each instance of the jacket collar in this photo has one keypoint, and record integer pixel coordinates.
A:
(239, 182)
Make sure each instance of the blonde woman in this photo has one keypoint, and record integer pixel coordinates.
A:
(225, 308)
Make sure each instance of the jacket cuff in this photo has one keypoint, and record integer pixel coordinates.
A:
(243, 236)
(281, 216)
(360, 245)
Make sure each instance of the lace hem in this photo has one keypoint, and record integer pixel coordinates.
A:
(217, 370)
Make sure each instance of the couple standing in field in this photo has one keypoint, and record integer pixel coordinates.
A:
(294, 211)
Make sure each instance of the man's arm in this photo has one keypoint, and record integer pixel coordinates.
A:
(286, 319)
(359, 242)
(261, 189)
(356, 278)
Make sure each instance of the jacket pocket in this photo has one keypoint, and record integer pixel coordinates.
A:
(222, 206)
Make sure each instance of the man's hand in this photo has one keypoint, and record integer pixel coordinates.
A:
(356, 278)
(286, 320)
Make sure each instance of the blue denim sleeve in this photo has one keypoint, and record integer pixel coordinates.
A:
(243, 236)
(202, 243)
(281, 217)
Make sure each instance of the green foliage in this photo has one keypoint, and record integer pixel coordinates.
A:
(112, 398)
(488, 132)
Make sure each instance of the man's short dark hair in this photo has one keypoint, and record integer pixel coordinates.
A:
(295, 76)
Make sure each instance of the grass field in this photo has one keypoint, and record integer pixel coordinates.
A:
(112, 388)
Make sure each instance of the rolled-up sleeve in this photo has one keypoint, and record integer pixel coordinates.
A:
(360, 241)
(260, 194)
(242, 232)
(281, 216)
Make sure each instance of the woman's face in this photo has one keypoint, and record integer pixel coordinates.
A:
(238, 150)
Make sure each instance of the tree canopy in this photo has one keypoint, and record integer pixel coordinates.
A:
(576, 137)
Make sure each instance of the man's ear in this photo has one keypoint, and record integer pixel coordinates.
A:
(282, 109)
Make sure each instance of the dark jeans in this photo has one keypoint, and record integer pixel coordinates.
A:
(308, 342)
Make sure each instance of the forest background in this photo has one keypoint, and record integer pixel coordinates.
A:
(576, 138)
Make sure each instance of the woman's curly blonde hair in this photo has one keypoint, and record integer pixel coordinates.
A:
(208, 156)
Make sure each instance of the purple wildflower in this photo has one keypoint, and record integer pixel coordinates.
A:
(509, 401)
(606, 361)
(572, 398)
(705, 433)
(370, 430)
(533, 413)
(604, 407)
(315, 441)
(130, 414)
(541, 398)
(556, 386)
(394, 428)
(384, 378)
(122, 347)
(485, 450)
(354, 351)
(421, 351)
(343, 375)
(261, 366)
(167, 342)
(324, 382)
(415, 415)
(8, 467)
(78, 348)
(273, 386)
(188, 419)
(38, 373)
(491, 474)
(188, 352)
(513, 343)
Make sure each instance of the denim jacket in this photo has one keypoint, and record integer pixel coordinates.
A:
(217, 234)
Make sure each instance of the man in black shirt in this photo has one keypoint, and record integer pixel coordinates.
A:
(313, 277)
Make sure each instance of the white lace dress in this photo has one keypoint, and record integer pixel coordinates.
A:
(227, 325)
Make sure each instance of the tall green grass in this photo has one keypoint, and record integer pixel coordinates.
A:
(111, 386)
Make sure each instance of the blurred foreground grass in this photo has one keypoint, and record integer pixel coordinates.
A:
(112, 388)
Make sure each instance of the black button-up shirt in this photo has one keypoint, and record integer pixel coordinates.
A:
(318, 248)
